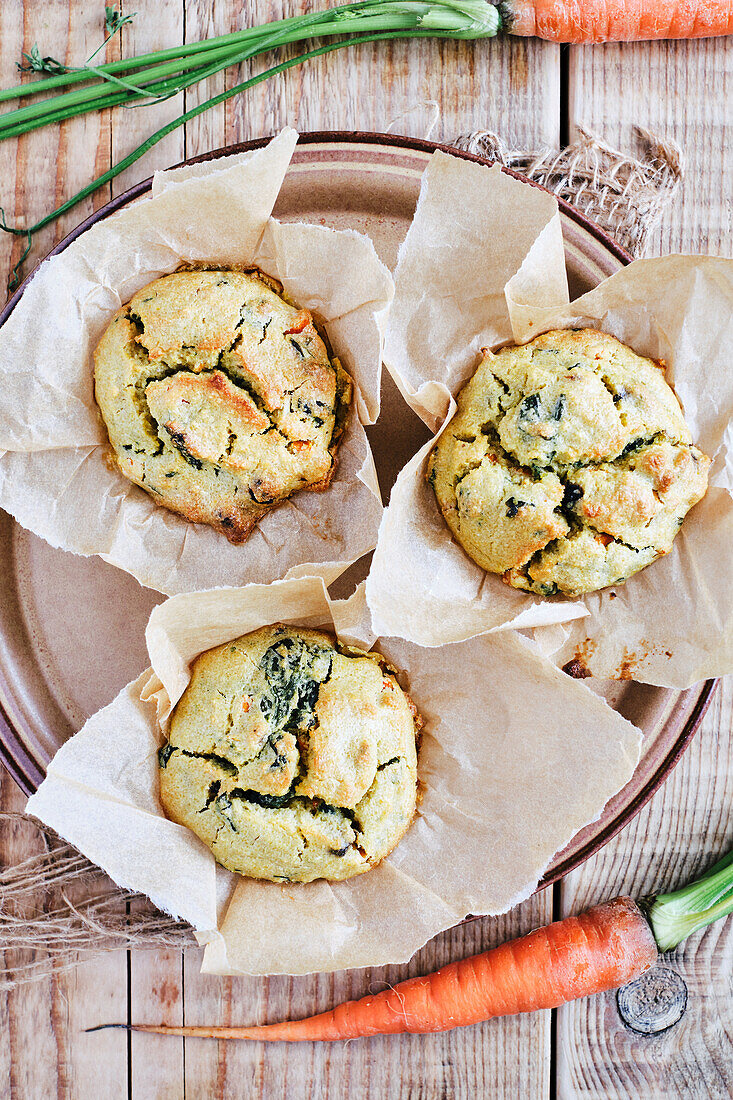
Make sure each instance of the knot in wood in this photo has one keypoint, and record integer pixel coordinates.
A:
(654, 1002)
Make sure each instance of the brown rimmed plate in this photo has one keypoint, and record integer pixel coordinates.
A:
(72, 628)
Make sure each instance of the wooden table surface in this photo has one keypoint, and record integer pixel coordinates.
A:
(533, 94)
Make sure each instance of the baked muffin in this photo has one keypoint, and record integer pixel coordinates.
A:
(292, 757)
(219, 397)
(568, 465)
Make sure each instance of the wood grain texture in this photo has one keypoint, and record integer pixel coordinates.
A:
(156, 24)
(42, 169)
(503, 1059)
(207, 19)
(686, 826)
(681, 91)
(156, 996)
(11, 170)
(44, 1051)
(32, 1010)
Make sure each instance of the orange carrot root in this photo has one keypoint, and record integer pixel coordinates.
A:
(601, 949)
(587, 21)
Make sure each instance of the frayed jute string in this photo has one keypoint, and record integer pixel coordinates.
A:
(625, 195)
(56, 906)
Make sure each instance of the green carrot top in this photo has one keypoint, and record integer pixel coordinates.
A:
(675, 916)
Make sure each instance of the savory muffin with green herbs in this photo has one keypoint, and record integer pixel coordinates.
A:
(219, 397)
(292, 757)
(568, 465)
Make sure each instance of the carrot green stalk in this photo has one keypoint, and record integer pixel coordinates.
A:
(589, 21)
(674, 917)
(601, 949)
(148, 144)
(164, 73)
(167, 72)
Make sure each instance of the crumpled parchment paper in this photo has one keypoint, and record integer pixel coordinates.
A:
(477, 232)
(670, 624)
(53, 475)
(515, 759)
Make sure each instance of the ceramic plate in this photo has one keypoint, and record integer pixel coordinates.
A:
(72, 628)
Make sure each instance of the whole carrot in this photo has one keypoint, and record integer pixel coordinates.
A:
(600, 949)
(587, 21)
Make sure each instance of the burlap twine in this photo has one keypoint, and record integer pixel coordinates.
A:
(56, 905)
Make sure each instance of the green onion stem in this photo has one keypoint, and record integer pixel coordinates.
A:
(467, 19)
(675, 916)
(161, 89)
(160, 74)
(197, 110)
(117, 81)
(97, 96)
(59, 108)
(75, 76)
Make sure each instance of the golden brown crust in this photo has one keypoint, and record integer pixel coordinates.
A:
(219, 397)
(293, 758)
(568, 465)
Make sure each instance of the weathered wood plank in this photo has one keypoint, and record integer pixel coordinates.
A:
(501, 1059)
(686, 826)
(44, 168)
(43, 1039)
(207, 19)
(95, 992)
(43, 1049)
(679, 90)
(510, 86)
(12, 39)
(33, 1043)
(156, 997)
(157, 24)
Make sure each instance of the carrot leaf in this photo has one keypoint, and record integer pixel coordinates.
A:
(114, 19)
(33, 63)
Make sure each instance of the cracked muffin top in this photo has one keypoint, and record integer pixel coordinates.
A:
(568, 465)
(219, 397)
(292, 757)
